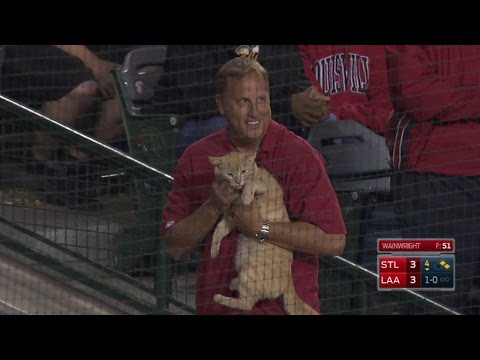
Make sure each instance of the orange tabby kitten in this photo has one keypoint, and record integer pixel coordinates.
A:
(264, 270)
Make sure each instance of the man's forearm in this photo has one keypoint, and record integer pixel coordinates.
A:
(305, 237)
(184, 236)
(81, 52)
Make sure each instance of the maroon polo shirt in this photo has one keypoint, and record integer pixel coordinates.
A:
(309, 197)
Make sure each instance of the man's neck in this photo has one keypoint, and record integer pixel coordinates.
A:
(250, 147)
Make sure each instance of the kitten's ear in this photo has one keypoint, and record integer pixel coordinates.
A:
(214, 160)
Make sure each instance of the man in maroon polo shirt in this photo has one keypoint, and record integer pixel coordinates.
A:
(197, 201)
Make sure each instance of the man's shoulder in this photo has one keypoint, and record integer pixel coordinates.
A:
(205, 145)
(288, 140)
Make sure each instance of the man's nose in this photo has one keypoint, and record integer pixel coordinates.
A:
(253, 110)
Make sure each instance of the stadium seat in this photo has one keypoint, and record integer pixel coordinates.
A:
(151, 139)
(151, 136)
(357, 162)
(353, 152)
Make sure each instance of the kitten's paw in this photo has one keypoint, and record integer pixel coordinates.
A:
(216, 240)
(234, 284)
(214, 250)
(218, 298)
(247, 198)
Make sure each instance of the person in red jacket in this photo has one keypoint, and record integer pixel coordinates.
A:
(351, 80)
(437, 153)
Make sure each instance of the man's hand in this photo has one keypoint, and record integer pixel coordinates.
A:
(310, 107)
(247, 218)
(102, 70)
(222, 195)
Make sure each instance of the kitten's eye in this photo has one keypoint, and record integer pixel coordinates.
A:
(230, 174)
(244, 171)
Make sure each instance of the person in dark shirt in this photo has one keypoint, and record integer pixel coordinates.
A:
(65, 83)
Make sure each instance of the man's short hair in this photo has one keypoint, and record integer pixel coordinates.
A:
(237, 68)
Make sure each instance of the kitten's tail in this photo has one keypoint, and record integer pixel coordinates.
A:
(294, 305)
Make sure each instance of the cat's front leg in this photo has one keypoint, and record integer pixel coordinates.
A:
(224, 227)
(248, 192)
(260, 187)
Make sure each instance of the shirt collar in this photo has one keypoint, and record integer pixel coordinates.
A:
(268, 144)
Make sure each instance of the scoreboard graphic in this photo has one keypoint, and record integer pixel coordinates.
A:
(416, 264)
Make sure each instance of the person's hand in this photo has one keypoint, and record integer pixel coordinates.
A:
(102, 70)
(310, 107)
(247, 218)
(222, 195)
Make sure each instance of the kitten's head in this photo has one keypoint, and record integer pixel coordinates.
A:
(235, 168)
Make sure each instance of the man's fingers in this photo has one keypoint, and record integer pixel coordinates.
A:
(316, 112)
(308, 120)
(315, 95)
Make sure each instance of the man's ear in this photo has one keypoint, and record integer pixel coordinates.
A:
(219, 101)
(214, 160)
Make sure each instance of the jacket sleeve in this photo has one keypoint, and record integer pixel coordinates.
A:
(428, 95)
(377, 110)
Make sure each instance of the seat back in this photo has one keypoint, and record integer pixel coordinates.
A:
(151, 138)
(141, 71)
(351, 151)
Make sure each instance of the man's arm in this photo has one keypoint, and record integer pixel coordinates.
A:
(81, 52)
(377, 111)
(426, 92)
(307, 238)
(295, 236)
(184, 236)
(317, 225)
(101, 69)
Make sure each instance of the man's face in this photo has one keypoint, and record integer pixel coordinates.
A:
(246, 106)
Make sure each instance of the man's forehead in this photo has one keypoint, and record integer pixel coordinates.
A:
(247, 83)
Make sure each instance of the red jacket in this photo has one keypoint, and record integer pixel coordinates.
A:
(439, 87)
(355, 77)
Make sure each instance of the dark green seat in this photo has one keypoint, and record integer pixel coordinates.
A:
(151, 139)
